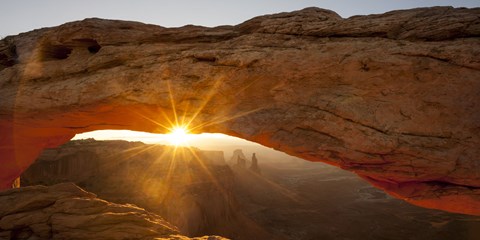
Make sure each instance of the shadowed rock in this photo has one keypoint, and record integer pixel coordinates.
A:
(188, 187)
(64, 211)
(254, 165)
(393, 97)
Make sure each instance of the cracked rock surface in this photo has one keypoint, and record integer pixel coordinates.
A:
(394, 97)
(65, 211)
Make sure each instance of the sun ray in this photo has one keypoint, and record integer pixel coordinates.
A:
(280, 189)
(172, 101)
(183, 122)
(208, 97)
(178, 135)
(223, 119)
(171, 166)
(121, 156)
(209, 174)
(155, 122)
(184, 115)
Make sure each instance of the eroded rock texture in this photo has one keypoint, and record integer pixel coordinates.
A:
(393, 97)
(190, 188)
(65, 211)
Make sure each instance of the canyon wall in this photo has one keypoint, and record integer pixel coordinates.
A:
(393, 97)
(190, 188)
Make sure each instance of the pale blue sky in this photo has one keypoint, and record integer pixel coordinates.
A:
(25, 15)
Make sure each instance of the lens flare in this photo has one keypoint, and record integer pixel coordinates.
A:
(178, 136)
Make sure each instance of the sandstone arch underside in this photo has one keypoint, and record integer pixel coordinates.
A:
(392, 97)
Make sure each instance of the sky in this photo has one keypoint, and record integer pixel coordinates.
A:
(204, 140)
(24, 15)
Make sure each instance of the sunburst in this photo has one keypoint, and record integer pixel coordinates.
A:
(180, 126)
(178, 136)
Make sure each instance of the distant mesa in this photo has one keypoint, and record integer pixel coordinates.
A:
(237, 156)
(212, 157)
(241, 161)
(80, 160)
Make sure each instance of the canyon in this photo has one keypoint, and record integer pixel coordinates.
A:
(191, 188)
(392, 97)
(202, 194)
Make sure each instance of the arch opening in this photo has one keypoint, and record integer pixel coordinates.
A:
(408, 125)
(215, 184)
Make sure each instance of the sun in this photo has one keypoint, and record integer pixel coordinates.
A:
(178, 136)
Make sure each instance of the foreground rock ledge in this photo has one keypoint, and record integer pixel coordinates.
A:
(393, 97)
(65, 211)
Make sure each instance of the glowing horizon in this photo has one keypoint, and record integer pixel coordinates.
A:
(165, 139)
(178, 136)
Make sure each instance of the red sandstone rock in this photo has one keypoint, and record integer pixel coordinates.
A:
(393, 97)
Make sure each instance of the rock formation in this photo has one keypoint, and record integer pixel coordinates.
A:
(241, 162)
(65, 211)
(237, 157)
(254, 165)
(212, 157)
(190, 191)
(236, 154)
(150, 176)
(80, 160)
(393, 97)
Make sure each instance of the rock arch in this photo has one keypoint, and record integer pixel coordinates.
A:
(393, 97)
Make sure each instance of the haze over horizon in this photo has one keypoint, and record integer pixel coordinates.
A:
(197, 140)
